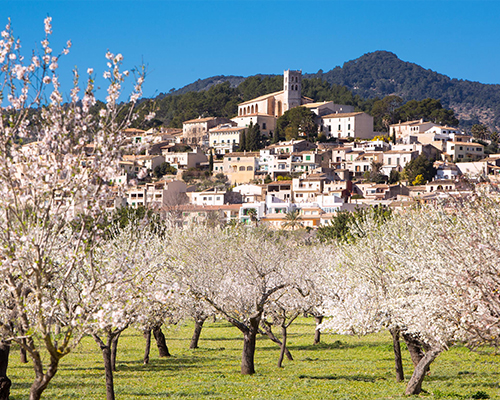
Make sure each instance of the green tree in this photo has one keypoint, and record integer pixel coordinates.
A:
(427, 109)
(243, 140)
(494, 136)
(394, 176)
(211, 161)
(275, 137)
(298, 121)
(253, 138)
(293, 220)
(479, 131)
(419, 180)
(164, 169)
(346, 226)
(420, 166)
(384, 112)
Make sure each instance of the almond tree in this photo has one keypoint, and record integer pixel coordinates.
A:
(118, 286)
(235, 270)
(433, 275)
(53, 174)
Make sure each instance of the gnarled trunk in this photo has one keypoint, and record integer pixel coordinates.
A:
(283, 346)
(161, 343)
(400, 377)
(317, 333)
(41, 379)
(5, 382)
(24, 358)
(198, 325)
(268, 331)
(249, 341)
(147, 335)
(414, 347)
(415, 384)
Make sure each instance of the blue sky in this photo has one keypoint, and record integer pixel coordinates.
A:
(182, 41)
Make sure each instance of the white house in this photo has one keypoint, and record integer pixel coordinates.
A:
(348, 125)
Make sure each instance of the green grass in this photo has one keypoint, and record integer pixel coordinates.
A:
(340, 367)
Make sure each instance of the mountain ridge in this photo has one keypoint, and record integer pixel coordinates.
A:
(382, 73)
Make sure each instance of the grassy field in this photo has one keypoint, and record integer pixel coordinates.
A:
(339, 368)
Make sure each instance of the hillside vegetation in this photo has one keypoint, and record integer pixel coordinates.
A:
(358, 82)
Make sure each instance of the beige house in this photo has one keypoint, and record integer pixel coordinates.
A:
(458, 151)
(195, 131)
(240, 167)
(267, 123)
(404, 129)
(397, 160)
(348, 125)
(158, 194)
(184, 160)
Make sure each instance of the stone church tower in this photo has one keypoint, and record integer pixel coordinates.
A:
(292, 85)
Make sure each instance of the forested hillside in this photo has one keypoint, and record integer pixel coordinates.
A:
(373, 75)
(382, 73)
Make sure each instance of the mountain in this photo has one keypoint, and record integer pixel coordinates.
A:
(382, 73)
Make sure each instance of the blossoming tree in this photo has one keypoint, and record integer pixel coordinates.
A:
(235, 270)
(55, 161)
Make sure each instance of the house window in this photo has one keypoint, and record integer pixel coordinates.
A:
(389, 161)
(348, 126)
(308, 158)
(264, 125)
(242, 168)
(250, 168)
(339, 127)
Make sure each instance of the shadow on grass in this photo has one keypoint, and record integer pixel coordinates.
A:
(160, 395)
(336, 345)
(357, 378)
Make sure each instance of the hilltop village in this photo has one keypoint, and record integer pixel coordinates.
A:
(201, 171)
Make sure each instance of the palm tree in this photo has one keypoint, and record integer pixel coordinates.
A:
(293, 220)
(252, 213)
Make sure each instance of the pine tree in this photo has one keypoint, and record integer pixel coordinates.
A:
(211, 161)
(243, 141)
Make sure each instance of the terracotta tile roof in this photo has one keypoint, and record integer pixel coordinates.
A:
(234, 128)
(342, 115)
(260, 98)
(197, 120)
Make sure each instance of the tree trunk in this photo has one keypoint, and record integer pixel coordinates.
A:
(414, 347)
(24, 358)
(161, 342)
(5, 382)
(114, 346)
(247, 359)
(317, 333)
(108, 368)
(283, 347)
(274, 339)
(198, 325)
(147, 335)
(400, 377)
(42, 380)
(415, 384)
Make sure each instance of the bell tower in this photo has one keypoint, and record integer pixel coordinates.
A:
(292, 85)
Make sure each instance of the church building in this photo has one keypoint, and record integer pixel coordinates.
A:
(264, 110)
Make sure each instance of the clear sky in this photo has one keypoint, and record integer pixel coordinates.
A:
(182, 41)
